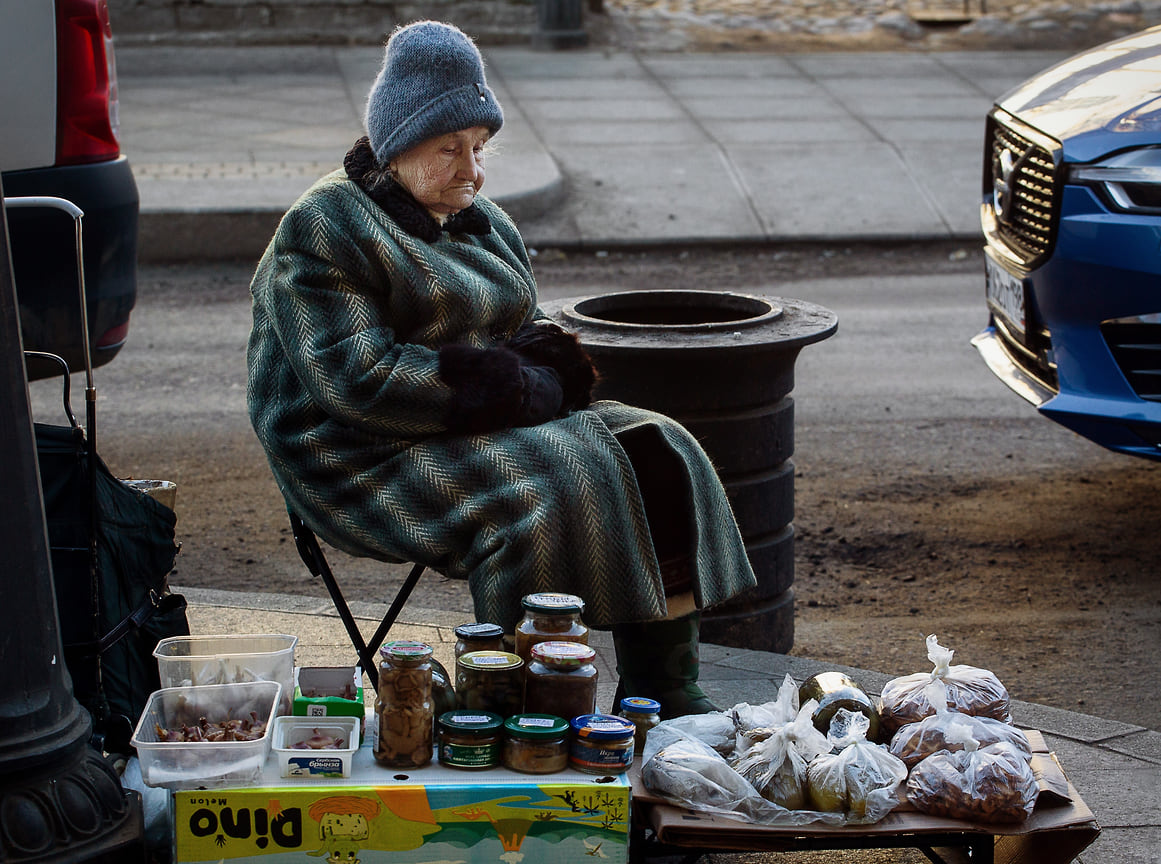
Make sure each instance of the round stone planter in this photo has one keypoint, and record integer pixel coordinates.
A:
(722, 365)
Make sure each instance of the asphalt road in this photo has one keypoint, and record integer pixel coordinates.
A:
(928, 497)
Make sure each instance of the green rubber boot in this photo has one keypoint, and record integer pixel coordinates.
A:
(659, 660)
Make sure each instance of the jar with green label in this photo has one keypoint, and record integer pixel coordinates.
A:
(470, 740)
(536, 743)
(550, 616)
(403, 706)
(490, 681)
(561, 679)
(479, 636)
(643, 713)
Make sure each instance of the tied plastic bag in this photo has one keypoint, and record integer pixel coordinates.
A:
(961, 688)
(916, 741)
(755, 723)
(858, 778)
(986, 784)
(776, 766)
(679, 767)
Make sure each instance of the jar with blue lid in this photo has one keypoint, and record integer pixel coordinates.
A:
(601, 744)
(643, 713)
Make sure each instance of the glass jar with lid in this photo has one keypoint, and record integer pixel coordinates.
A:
(403, 706)
(642, 713)
(536, 743)
(561, 679)
(479, 636)
(470, 740)
(601, 744)
(550, 616)
(490, 681)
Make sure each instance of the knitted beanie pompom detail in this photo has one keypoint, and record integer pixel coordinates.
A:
(432, 82)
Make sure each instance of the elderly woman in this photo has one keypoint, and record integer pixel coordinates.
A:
(415, 405)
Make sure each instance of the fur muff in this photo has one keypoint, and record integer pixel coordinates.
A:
(544, 344)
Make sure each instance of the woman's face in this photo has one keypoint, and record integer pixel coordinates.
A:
(444, 173)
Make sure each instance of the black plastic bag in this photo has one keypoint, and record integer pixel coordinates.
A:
(112, 550)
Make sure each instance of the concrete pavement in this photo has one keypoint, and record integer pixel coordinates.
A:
(599, 148)
(604, 149)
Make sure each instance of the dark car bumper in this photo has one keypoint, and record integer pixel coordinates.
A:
(44, 262)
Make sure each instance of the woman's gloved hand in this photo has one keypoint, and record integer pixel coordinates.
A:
(495, 389)
(546, 344)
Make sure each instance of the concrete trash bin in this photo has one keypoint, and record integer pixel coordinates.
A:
(722, 365)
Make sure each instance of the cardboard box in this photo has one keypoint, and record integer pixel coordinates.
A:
(319, 691)
(384, 815)
(1060, 827)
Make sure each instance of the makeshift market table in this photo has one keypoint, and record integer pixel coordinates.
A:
(1060, 827)
(439, 813)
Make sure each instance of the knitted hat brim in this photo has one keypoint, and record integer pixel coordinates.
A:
(463, 108)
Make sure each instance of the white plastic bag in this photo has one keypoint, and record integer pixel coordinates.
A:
(776, 766)
(966, 689)
(858, 777)
(916, 741)
(985, 784)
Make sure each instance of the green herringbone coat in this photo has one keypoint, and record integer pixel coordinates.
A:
(345, 395)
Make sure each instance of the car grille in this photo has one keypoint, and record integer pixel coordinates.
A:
(1022, 182)
(1136, 348)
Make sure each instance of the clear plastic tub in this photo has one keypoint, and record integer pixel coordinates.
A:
(205, 764)
(196, 661)
(321, 763)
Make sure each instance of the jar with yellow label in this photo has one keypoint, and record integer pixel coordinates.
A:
(478, 637)
(470, 740)
(642, 713)
(601, 744)
(490, 681)
(549, 616)
(403, 705)
(536, 743)
(561, 679)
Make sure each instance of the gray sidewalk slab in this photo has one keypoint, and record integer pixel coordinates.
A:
(1116, 767)
(599, 148)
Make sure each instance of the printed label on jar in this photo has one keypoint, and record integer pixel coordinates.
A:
(541, 722)
(470, 755)
(590, 756)
(497, 660)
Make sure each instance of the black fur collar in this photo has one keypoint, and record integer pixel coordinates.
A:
(399, 204)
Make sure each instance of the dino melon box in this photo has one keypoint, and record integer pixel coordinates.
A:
(417, 815)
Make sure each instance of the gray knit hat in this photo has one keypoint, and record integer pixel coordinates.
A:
(432, 82)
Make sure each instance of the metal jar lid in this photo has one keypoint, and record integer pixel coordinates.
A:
(563, 655)
(488, 661)
(536, 727)
(552, 603)
(471, 722)
(405, 649)
(640, 705)
(602, 727)
(479, 630)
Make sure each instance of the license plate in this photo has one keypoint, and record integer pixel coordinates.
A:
(1005, 294)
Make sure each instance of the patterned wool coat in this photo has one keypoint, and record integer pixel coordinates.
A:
(351, 302)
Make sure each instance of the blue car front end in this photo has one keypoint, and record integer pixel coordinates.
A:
(1072, 217)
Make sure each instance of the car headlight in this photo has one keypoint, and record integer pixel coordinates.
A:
(1131, 180)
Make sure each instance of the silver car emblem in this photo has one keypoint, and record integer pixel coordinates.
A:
(1004, 169)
